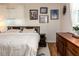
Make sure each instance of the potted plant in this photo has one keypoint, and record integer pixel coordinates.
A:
(76, 29)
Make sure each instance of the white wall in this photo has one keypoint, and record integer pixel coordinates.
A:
(66, 22)
(22, 13)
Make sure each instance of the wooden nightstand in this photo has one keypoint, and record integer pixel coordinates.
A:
(42, 42)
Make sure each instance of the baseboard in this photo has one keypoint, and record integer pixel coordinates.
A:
(51, 41)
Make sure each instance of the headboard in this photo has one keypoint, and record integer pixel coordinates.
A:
(37, 28)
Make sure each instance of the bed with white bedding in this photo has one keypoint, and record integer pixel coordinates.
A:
(19, 44)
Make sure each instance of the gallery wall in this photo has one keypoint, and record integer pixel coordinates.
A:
(49, 28)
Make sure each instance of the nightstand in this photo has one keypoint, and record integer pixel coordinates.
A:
(42, 42)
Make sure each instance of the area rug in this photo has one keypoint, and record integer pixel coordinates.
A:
(43, 51)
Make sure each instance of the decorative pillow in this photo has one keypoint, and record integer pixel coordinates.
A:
(3, 29)
(13, 31)
(28, 30)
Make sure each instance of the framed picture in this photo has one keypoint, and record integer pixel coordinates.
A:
(43, 10)
(54, 14)
(43, 19)
(33, 14)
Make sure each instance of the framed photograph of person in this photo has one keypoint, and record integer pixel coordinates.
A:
(43, 10)
(33, 14)
(54, 14)
(43, 19)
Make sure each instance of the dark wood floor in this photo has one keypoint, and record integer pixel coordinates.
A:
(53, 49)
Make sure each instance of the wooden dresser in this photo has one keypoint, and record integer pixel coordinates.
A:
(67, 45)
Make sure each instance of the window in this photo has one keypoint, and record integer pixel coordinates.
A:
(75, 14)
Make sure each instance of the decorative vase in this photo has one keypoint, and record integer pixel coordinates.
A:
(77, 32)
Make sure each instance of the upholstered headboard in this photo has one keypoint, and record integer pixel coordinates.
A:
(37, 28)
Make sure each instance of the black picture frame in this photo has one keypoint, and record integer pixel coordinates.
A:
(54, 14)
(43, 10)
(43, 18)
(33, 14)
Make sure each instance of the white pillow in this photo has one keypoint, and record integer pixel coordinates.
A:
(29, 30)
(3, 29)
(13, 31)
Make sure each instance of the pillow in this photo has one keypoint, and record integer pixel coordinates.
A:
(29, 30)
(3, 29)
(13, 31)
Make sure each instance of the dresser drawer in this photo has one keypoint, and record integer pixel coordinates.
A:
(69, 53)
(74, 50)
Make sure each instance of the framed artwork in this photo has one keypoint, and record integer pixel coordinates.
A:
(33, 14)
(43, 10)
(43, 19)
(54, 14)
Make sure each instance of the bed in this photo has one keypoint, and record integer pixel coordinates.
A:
(19, 43)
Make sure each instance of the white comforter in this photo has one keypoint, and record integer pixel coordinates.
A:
(19, 44)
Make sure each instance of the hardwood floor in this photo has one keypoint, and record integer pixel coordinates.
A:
(53, 49)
